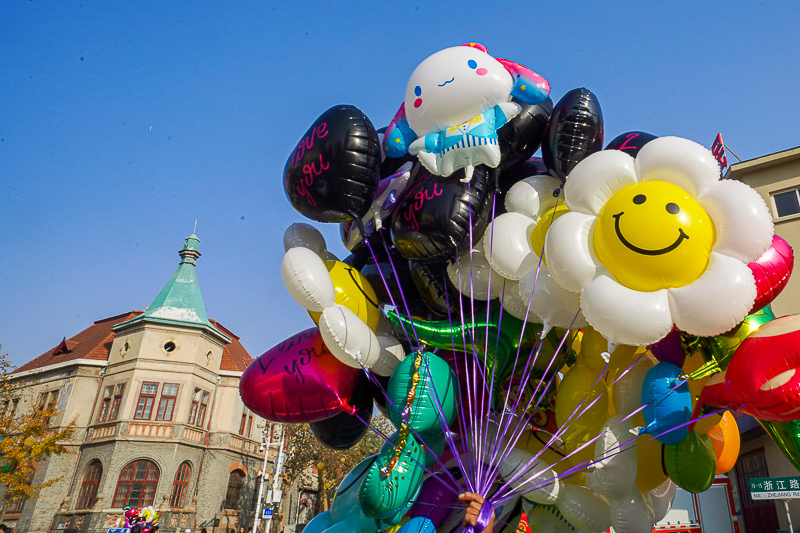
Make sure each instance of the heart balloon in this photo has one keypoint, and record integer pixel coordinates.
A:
(333, 172)
(438, 215)
(772, 271)
(299, 380)
(630, 142)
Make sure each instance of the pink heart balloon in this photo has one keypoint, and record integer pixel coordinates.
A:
(772, 271)
(298, 380)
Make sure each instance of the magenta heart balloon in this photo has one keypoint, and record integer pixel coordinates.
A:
(298, 380)
(772, 271)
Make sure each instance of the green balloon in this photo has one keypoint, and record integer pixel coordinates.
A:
(434, 387)
(392, 480)
(691, 463)
(787, 436)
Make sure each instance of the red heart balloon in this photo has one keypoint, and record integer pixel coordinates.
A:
(772, 271)
(298, 380)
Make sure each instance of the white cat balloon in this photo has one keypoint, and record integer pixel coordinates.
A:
(455, 102)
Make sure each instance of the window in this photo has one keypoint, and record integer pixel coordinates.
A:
(243, 424)
(787, 203)
(137, 484)
(47, 401)
(235, 484)
(197, 415)
(108, 392)
(181, 485)
(166, 404)
(249, 425)
(91, 480)
(246, 425)
(146, 400)
(119, 389)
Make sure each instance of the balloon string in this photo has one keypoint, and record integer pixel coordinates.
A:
(529, 364)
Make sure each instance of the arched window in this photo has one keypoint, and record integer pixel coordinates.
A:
(235, 484)
(181, 486)
(91, 480)
(137, 484)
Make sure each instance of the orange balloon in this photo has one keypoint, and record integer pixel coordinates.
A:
(726, 442)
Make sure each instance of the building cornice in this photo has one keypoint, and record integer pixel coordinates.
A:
(57, 366)
(770, 160)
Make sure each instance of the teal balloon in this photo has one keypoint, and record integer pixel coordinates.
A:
(382, 496)
(436, 389)
(691, 463)
(345, 502)
(319, 523)
(418, 525)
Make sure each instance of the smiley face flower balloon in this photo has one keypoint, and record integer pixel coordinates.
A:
(658, 240)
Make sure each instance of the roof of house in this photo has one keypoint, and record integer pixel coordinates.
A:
(95, 342)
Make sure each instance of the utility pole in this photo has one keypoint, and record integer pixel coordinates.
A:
(274, 495)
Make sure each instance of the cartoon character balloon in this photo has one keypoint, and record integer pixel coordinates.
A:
(455, 102)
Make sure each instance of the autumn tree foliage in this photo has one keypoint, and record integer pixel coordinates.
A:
(306, 456)
(25, 438)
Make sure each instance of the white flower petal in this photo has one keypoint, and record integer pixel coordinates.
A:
(515, 306)
(741, 218)
(472, 275)
(550, 302)
(595, 179)
(717, 301)
(566, 249)
(626, 316)
(533, 196)
(682, 162)
(507, 245)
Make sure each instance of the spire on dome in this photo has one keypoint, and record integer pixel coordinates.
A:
(180, 301)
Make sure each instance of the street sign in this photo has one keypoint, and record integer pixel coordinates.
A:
(267, 514)
(775, 488)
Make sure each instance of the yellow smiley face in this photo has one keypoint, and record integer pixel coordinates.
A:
(653, 236)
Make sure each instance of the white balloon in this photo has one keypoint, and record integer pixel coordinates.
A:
(348, 337)
(626, 316)
(632, 515)
(718, 300)
(472, 275)
(596, 179)
(307, 236)
(742, 222)
(566, 249)
(307, 278)
(544, 488)
(685, 163)
(616, 463)
(660, 499)
(550, 302)
(533, 195)
(627, 392)
(391, 353)
(507, 245)
(514, 304)
(548, 520)
(584, 508)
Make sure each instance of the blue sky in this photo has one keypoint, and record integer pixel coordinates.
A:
(123, 122)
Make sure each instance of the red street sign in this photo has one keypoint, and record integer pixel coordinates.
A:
(718, 149)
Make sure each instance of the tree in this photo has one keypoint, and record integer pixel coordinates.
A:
(305, 455)
(25, 439)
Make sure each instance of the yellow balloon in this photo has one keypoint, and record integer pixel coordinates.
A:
(535, 442)
(540, 230)
(575, 410)
(354, 292)
(726, 441)
(649, 473)
(654, 235)
(593, 345)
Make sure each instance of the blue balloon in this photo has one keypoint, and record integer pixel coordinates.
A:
(320, 523)
(418, 525)
(667, 403)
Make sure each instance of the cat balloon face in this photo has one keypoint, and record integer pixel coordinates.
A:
(454, 85)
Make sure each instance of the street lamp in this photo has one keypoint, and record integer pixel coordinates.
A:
(274, 496)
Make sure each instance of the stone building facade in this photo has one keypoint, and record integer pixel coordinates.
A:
(154, 399)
